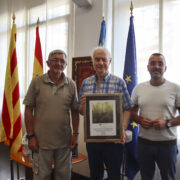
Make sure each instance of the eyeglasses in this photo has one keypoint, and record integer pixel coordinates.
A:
(97, 59)
(62, 61)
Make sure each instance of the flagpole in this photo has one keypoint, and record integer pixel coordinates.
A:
(13, 17)
(131, 8)
(123, 164)
(130, 76)
(11, 129)
(38, 22)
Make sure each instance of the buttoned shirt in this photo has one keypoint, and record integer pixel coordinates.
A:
(110, 84)
(52, 105)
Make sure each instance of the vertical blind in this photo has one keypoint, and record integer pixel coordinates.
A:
(157, 28)
(54, 29)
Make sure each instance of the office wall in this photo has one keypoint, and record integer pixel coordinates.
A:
(87, 28)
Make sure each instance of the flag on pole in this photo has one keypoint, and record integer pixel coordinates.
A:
(38, 60)
(102, 40)
(130, 76)
(10, 128)
(102, 37)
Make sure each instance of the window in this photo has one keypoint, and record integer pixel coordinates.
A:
(54, 30)
(157, 29)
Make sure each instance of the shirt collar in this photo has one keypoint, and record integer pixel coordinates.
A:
(106, 78)
(48, 80)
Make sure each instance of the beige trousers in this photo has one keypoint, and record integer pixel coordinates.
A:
(42, 164)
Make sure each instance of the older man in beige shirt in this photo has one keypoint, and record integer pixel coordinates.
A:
(50, 98)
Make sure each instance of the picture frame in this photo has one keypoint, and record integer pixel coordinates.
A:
(103, 117)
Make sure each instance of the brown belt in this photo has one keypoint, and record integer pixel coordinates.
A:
(160, 143)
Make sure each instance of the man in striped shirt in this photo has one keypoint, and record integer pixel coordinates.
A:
(104, 82)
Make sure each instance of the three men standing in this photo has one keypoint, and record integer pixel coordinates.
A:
(52, 95)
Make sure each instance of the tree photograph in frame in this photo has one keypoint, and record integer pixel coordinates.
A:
(103, 117)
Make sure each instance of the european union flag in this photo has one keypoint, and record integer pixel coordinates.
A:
(130, 76)
(102, 37)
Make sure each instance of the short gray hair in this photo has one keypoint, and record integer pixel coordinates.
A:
(56, 51)
(102, 49)
(158, 54)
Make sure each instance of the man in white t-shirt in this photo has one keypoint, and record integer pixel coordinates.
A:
(156, 105)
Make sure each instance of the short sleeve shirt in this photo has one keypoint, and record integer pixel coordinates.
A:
(52, 105)
(110, 84)
(157, 102)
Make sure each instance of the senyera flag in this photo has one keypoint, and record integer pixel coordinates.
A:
(10, 127)
(38, 60)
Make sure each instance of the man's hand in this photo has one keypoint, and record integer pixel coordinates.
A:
(74, 141)
(33, 144)
(159, 124)
(123, 138)
(83, 101)
(145, 122)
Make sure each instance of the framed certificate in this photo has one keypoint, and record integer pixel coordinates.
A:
(103, 117)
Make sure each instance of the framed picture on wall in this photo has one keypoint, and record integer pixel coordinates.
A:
(103, 117)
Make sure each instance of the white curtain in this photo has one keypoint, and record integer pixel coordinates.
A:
(157, 28)
(55, 29)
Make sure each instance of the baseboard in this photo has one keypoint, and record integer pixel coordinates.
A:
(76, 176)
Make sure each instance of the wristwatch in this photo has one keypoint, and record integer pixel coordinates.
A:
(168, 123)
(30, 136)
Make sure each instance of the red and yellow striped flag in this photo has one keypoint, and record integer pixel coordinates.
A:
(38, 60)
(10, 128)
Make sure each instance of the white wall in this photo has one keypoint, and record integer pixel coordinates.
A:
(87, 30)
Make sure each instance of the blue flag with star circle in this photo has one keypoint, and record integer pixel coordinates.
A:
(130, 77)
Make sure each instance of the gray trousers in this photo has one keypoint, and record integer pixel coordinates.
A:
(42, 164)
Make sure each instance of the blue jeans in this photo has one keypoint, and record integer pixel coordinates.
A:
(109, 154)
(164, 156)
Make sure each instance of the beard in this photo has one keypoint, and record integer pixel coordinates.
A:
(156, 76)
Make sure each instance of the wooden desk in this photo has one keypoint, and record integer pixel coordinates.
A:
(19, 158)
